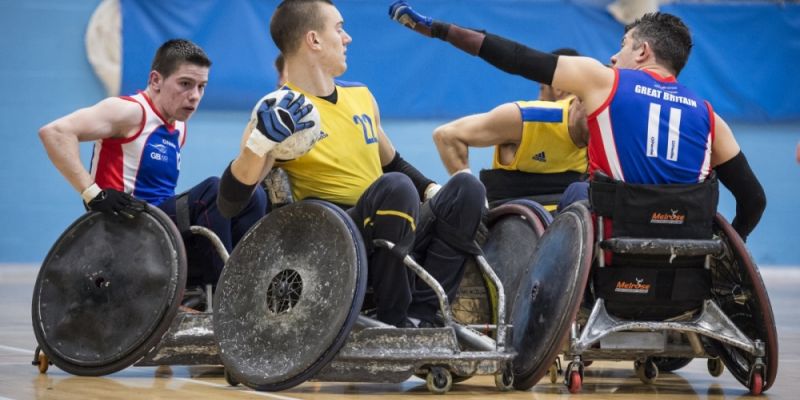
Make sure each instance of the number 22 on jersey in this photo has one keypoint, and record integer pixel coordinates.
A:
(366, 126)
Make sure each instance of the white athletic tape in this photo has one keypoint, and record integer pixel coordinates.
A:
(90, 193)
(258, 143)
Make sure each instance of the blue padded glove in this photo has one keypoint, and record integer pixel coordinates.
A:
(278, 123)
(401, 12)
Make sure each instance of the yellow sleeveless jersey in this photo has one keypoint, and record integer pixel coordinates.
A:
(546, 147)
(340, 167)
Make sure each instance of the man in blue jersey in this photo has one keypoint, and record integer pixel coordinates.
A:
(137, 152)
(644, 126)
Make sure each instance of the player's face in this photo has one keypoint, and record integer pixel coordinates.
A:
(626, 57)
(334, 40)
(179, 95)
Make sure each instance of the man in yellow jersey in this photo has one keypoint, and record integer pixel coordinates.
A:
(540, 146)
(356, 167)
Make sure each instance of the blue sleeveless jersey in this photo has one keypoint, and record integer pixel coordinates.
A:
(145, 165)
(651, 130)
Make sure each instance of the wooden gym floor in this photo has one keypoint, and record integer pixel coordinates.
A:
(20, 380)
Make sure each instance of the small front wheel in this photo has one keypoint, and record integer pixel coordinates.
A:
(40, 360)
(715, 367)
(504, 380)
(646, 370)
(575, 382)
(756, 384)
(439, 380)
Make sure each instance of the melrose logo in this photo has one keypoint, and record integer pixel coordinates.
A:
(672, 218)
(637, 287)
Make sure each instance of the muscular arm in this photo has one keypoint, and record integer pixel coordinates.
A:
(502, 125)
(110, 118)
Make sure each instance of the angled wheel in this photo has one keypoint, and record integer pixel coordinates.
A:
(108, 290)
(738, 289)
(549, 294)
(513, 230)
(289, 295)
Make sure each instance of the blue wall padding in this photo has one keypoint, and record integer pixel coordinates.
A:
(741, 61)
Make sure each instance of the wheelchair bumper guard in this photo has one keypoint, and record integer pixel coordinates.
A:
(711, 322)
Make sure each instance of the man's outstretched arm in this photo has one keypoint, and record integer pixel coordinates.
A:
(577, 75)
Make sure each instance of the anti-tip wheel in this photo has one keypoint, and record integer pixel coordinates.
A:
(756, 384)
(439, 380)
(575, 382)
(715, 367)
(646, 371)
(504, 379)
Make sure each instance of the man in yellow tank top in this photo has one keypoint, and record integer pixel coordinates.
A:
(356, 167)
(540, 146)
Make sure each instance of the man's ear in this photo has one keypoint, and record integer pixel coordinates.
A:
(154, 80)
(312, 40)
(644, 52)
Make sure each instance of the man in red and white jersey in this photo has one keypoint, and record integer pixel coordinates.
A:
(136, 156)
(644, 126)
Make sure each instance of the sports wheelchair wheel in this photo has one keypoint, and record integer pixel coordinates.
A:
(289, 295)
(107, 291)
(548, 295)
(514, 230)
(738, 289)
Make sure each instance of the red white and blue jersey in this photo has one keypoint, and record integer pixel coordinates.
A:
(652, 130)
(145, 165)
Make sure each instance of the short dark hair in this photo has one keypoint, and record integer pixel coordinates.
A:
(291, 20)
(175, 52)
(565, 51)
(667, 35)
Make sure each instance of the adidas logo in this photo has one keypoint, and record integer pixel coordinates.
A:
(540, 157)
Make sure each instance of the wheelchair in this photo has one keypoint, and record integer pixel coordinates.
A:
(108, 296)
(289, 309)
(664, 280)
